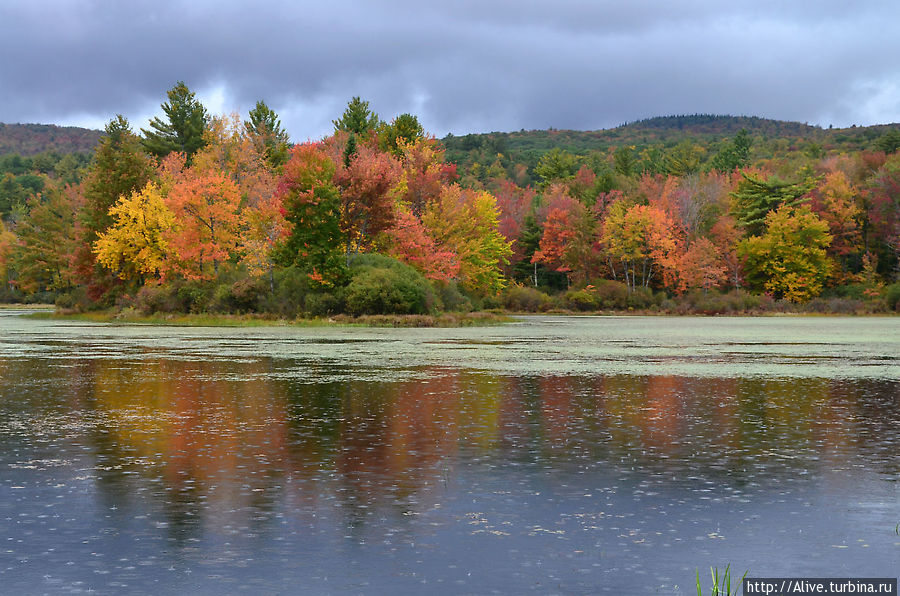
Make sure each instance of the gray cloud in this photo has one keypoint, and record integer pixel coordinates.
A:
(461, 66)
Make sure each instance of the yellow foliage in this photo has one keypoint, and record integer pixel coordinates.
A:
(465, 222)
(135, 245)
(7, 242)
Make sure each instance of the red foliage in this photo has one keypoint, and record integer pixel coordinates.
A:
(425, 173)
(514, 204)
(412, 245)
(367, 202)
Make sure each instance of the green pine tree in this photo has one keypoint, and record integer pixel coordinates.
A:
(119, 167)
(357, 118)
(755, 198)
(186, 121)
(264, 128)
(734, 155)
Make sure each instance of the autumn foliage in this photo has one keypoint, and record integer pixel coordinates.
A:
(268, 224)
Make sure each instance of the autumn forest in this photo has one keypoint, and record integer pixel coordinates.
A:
(203, 213)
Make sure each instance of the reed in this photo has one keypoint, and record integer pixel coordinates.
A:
(721, 584)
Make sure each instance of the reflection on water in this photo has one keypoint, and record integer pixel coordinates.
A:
(145, 471)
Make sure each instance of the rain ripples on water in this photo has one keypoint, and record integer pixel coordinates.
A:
(554, 455)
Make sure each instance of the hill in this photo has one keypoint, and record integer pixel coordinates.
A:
(31, 139)
(668, 130)
(709, 132)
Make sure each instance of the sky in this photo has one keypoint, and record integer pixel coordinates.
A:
(461, 66)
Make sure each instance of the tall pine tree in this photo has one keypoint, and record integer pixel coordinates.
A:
(264, 129)
(186, 120)
(119, 168)
(357, 118)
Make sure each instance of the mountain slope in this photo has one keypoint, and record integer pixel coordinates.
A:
(30, 139)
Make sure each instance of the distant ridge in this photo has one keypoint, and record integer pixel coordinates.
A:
(714, 123)
(666, 130)
(30, 139)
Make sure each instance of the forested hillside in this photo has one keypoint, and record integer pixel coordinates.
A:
(771, 138)
(30, 139)
(677, 214)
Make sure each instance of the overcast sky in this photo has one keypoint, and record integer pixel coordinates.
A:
(460, 65)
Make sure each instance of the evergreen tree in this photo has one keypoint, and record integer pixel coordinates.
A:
(625, 161)
(755, 198)
(532, 272)
(734, 155)
(118, 169)
(556, 165)
(357, 118)
(264, 129)
(46, 239)
(186, 121)
(889, 142)
(350, 150)
(12, 194)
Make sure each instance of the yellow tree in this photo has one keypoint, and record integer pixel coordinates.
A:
(836, 203)
(464, 222)
(135, 245)
(7, 243)
(641, 239)
(790, 259)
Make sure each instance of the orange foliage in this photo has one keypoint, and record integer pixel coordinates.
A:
(206, 208)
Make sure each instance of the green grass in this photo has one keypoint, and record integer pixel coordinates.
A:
(223, 320)
(721, 585)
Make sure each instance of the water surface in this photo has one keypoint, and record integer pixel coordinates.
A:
(570, 455)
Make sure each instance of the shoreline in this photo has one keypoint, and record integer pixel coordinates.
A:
(476, 319)
(473, 319)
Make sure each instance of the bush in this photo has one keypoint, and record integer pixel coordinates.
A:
(9, 295)
(289, 296)
(853, 291)
(835, 305)
(193, 296)
(525, 299)
(640, 298)
(491, 302)
(322, 304)
(382, 285)
(743, 301)
(892, 296)
(583, 300)
(244, 295)
(178, 296)
(150, 299)
(606, 294)
(612, 294)
(75, 300)
(450, 298)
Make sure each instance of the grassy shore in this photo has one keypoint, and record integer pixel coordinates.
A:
(14, 306)
(224, 320)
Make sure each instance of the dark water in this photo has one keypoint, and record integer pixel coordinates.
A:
(569, 456)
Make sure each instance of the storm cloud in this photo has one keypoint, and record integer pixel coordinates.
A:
(461, 66)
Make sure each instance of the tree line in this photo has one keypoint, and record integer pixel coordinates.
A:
(203, 212)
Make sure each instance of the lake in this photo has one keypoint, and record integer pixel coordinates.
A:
(553, 455)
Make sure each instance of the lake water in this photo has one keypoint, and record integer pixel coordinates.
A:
(554, 455)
